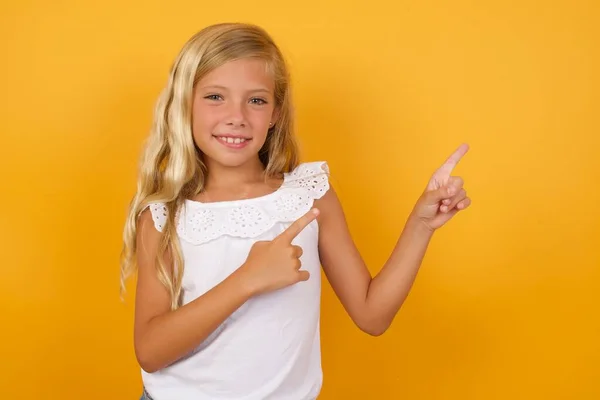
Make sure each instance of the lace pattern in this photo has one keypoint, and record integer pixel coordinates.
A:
(201, 222)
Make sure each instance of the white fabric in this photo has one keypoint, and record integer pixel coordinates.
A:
(270, 347)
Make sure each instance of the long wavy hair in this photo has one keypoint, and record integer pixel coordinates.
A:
(171, 167)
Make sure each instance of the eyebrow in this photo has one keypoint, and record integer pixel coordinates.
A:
(224, 88)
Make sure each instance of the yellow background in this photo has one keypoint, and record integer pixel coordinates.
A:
(506, 305)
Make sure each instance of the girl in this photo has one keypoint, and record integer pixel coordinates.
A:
(228, 232)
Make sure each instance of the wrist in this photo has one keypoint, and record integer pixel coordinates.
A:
(418, 226)
(244, 283)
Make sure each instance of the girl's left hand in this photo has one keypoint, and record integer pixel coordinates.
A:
(444, 195)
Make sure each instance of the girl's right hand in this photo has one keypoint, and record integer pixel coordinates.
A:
(275, 264)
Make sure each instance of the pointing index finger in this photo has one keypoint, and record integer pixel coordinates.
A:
(298, 225)
(453, 160)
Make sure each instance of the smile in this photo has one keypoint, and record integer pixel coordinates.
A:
(233, 142)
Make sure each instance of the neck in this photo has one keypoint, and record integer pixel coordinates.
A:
(221, 176)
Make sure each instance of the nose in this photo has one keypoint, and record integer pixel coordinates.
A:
(236, 115)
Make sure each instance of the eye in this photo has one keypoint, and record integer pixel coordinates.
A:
(213, 97)
(258, 101)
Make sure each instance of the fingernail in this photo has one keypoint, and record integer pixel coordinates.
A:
(451, 190)
(315, 211)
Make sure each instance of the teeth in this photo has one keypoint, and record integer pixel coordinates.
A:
(232, 140)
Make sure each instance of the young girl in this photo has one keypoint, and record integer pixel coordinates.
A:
(228, 232)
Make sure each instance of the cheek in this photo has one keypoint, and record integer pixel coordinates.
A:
(260, 119)
(203, 122)
(260, 127)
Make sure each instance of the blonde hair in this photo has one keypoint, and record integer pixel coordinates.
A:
(171, 168)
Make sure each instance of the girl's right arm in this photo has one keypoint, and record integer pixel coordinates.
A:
(162, 336)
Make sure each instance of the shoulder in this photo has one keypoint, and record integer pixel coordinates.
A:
(312, 177)
(155, 214)
(148, 236)
(309, 168)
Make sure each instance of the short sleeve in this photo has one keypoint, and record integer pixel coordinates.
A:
(159, 215)
(312, 177)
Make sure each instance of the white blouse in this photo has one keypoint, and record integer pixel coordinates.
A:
(270, 347)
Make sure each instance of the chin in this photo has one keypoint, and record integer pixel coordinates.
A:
(230, 160)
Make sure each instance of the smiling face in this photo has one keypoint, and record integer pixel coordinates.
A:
(232, 108)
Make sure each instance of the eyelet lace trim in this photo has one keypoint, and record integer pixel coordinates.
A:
(202, 222)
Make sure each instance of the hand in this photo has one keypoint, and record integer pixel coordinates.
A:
(444, 195)
(275, 264)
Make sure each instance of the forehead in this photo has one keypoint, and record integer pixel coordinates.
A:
(242, 73)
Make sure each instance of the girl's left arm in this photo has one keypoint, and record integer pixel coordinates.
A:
(372, 303)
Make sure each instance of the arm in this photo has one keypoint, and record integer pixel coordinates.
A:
(162, 336)
(372, 303)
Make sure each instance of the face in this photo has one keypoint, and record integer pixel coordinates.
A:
(232, 108)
